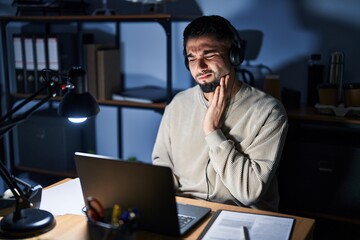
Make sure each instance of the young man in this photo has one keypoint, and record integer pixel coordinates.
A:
(222, 138)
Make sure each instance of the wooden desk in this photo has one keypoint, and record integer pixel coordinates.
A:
(74, 226)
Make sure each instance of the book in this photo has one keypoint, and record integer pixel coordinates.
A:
(108, 72)
(91, 65)
(226, 224)
(145, 94)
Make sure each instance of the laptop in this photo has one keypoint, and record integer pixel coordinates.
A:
(147, 187)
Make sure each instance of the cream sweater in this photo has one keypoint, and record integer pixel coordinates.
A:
(236, 164)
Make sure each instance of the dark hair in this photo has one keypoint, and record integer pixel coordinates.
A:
(213, 26)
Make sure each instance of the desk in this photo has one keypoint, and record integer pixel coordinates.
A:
(74, 226)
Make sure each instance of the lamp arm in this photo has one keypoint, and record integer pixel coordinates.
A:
(8, 125)
(21, 200)
(27, 221)
(22, 104)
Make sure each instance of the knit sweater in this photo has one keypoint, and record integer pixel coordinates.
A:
(235, 164)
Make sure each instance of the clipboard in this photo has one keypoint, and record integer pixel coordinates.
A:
(226, 224)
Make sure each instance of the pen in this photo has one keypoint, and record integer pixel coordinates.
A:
(115, 215)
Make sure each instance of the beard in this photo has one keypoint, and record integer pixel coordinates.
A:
(209, 87)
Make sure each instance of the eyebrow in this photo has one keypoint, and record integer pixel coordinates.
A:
(205, 52)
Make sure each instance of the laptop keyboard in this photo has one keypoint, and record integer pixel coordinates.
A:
(184, 220)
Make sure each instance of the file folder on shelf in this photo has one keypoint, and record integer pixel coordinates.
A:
(62, 52)
(29, 65)
(53, 53)
(19, 63)
(41, 63)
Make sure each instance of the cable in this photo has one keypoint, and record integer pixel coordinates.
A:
(207, 181)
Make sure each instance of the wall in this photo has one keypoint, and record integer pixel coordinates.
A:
(293, 29)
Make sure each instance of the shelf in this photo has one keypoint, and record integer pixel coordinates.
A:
(70, 174)
(114, 18)
(309, 114)
(159, 106)
(317, 215)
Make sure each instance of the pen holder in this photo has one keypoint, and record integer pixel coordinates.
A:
(104, 230)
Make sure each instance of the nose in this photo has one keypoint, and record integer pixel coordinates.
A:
(201, 65)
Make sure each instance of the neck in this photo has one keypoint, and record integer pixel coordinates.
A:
(235, 89)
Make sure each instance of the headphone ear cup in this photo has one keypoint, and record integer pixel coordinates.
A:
(242, 50)
(236, 55)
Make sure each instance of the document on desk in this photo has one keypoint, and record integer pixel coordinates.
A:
(65, 198)
(238, 225)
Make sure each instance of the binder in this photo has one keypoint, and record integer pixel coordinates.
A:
(62, 53)
(19, 63)
(40, 56)
(68, 52)
(30, 86)
(109, 77)
(53, 53)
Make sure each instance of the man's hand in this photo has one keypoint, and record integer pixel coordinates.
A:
(217, 106)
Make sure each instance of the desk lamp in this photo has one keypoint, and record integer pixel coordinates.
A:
(27, 220)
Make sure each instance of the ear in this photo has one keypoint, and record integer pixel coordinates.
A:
(186, 61)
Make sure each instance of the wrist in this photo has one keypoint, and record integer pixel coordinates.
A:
(207, 131)
(215, 138)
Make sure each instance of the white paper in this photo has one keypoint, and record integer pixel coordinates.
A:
(238, 225)
(65, 198)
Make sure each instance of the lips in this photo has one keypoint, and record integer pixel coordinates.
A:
(203, 77)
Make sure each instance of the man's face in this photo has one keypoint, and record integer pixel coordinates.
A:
(208, 61)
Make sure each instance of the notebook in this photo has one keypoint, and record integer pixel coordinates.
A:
(147, 187)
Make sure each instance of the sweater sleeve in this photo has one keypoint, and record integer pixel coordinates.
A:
(247, 169)
(161, 151)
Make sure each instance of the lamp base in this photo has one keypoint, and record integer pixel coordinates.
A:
(32, 222)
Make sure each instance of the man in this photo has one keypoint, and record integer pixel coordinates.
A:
(222, 138)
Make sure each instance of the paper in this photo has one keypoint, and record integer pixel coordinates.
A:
(65, 198)
(238, 225)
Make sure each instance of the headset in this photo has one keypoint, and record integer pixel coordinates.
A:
(237, 49)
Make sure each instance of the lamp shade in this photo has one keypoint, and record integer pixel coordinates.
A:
(77, 102)
(78, 105)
